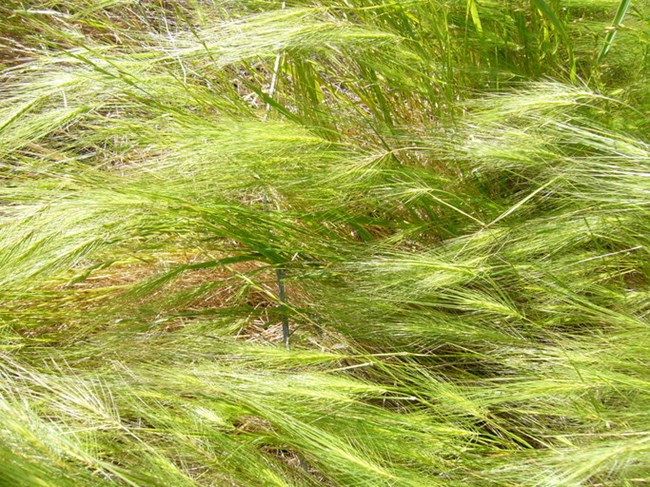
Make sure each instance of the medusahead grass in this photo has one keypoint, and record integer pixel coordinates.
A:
(464, 243)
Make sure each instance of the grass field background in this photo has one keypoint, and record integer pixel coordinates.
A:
(446, 202)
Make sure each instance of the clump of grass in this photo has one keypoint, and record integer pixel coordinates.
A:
(455, 195)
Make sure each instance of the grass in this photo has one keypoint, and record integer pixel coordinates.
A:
(454, 196)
